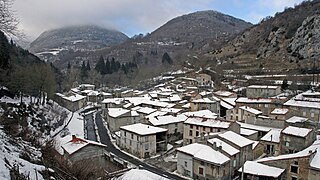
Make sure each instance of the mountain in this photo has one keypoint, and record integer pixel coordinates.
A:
(201, 26)
(285, 43)
(84, 37)
(183, 38)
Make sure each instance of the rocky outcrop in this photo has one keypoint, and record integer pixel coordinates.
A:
(306, 41)
(272, 43)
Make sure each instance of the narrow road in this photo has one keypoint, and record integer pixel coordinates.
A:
(90, 127)
(105, 139)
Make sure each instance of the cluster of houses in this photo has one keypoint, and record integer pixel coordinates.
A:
(263, 135)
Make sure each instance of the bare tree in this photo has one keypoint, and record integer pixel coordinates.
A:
(8, 21)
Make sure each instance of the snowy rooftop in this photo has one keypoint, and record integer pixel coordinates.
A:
(116, 112)
(231, 101)
(255, 127)
(225, 146)
(156, 113)
(207, 122)
(296, 119)
(226, 105)
(202, 113)
(73, 98)
(143, 129)
(163, 120)
(262, 87)
(247, 132)
(296, 131)
(113, 100)
(204, 100)
(170, 110)
(280, 111)
(77, 143)
(146, 110)
(258, 169)
(204, 153)
(272, 136)
(236, 139)
(253, 100)
(205, 93)
(315, 162)
(250, 110)
(301, 101)
(138, 174)
(223, 93)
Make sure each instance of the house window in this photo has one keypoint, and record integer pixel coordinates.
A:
(197, 127)
(234, 163)
(202, 163)
(286, 143)
(201, 170)
(294, 167)
(131, 136)
(146, 138)
(185, 164)
(190, 141)
(204, 128)
(266, 105)
(130, 143)
(125, 134)
(191, 126)
(197, 133)
(304, 113)
(190, 132)
(312, 115)
(146, 146)
(211, 129)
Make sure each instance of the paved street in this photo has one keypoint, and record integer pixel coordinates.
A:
(90, 127)
(104, 138)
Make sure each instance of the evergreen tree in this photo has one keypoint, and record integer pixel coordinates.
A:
(100, 66)
(284, 85)
(4, 51)
(166, 58)
(108, 67)
(88, 66)
(83, 72)
(113, 66)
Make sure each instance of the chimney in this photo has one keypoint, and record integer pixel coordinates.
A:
(74, 137)
(214, 145)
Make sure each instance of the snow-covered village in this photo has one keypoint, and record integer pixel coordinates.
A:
(159, 90)
(178, 129)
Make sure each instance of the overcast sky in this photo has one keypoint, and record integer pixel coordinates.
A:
(132, 16)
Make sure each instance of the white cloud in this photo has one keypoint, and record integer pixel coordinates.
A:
(37, 16)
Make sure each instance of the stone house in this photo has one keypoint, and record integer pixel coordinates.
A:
(294, 139)
(271, 142)
(143, 140)
(306, 104)
(204, 80)
(200, 161)
(229, 151)
(243, 113)
(212, 104)
(195, 128)
(117, 117)
(301, 165)
(72, 101)
(244, 145)
(78, 149)
(174, 124)
(262, 91)
(265, 105)
(280, 114)
(255, 170)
